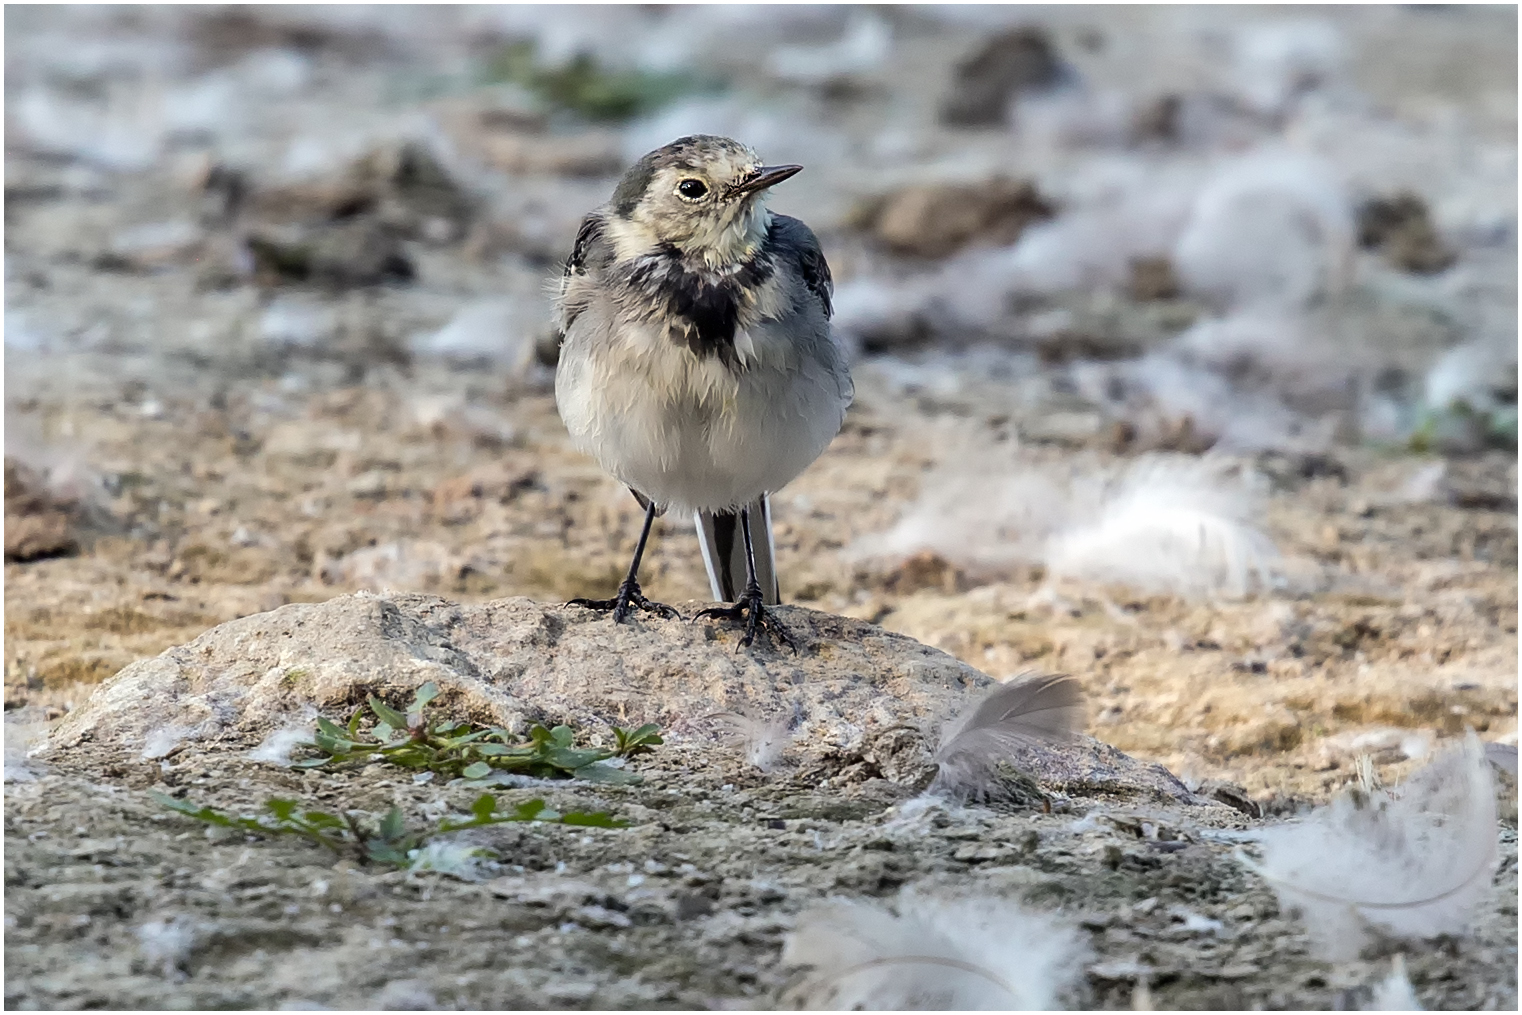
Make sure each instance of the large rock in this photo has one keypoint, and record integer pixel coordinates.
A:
(857, 698)
(514, 660)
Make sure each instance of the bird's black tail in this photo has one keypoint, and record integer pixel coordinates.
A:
(724, 551)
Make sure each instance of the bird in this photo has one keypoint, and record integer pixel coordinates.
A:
(696, 361)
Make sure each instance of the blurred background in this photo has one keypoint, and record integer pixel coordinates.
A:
(1184, 337)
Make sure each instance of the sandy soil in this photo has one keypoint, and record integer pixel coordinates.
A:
(214, 471)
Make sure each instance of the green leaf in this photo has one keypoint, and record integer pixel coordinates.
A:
(592, 819)
(607, 774)
(491, 750)
(484, 807)
(331, 728)
(478, 770)
(391, 826)
(386, 714)
(382, 731)
(563, 736)
(408, 756)
(380, 851)
(354, 725)
(570, 760)
(323, 820)
(528, 811)
(323, 742)
(425, 694)
(205, 814)
(281, 809)
(311, 762)
(639, 741)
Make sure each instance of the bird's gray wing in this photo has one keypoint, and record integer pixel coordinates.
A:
(586, 254)
(794, 244)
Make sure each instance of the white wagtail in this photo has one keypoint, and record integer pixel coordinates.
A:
(696, 360)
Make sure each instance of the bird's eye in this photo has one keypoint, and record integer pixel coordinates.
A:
(692, 190)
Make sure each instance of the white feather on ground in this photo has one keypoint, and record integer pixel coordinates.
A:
(978, 517)
(929, 953)
(457, 859)
(1047, 708)
(277, 747)
(1277, 62)
(1268, 230)
(1412, 863)
(762, 742)
(1169, 526)
(1394, 992)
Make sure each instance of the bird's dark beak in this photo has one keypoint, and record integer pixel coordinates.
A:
(768, 176)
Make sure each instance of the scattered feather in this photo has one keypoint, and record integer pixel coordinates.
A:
(1170, 524)
(168, 943)
(762, 742)
(929, 953)
(1169, 527)
(974, 747)
(980, 515)
(1268, 230)
(1412, 862)
(162, 742)
(1275, 63)
(1394, 992)
(405, 565)
(277, 747)
(459, 860)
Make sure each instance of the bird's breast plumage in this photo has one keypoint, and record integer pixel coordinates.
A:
(701, 308)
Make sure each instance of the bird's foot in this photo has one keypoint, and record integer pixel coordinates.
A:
(629, 599)
(756, 616)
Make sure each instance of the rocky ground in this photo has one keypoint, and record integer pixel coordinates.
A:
(274, 334)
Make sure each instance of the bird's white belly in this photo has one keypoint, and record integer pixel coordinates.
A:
(689, 431)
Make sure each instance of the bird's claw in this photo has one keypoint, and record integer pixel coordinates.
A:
(629, 598)
(756, 616)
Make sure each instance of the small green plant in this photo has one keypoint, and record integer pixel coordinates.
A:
(471, 751)
(386, 841)
(586, 87)
(632, 743)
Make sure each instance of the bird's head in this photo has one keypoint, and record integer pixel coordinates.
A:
(704, 195)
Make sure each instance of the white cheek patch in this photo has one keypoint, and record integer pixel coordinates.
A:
(630, 238)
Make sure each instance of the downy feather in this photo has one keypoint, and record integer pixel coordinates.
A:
(928, 953)
(1026, 711)
(1394, 992)
(1412, 862)
(1170, 526)
(762, 742)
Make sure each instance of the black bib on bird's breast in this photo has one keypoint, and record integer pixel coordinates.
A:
(703, 305)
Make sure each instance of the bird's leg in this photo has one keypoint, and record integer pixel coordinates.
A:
(629, 596)
(750, 607)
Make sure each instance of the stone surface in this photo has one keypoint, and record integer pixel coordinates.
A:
(859, 700)
(937, 219)
(514, 660)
